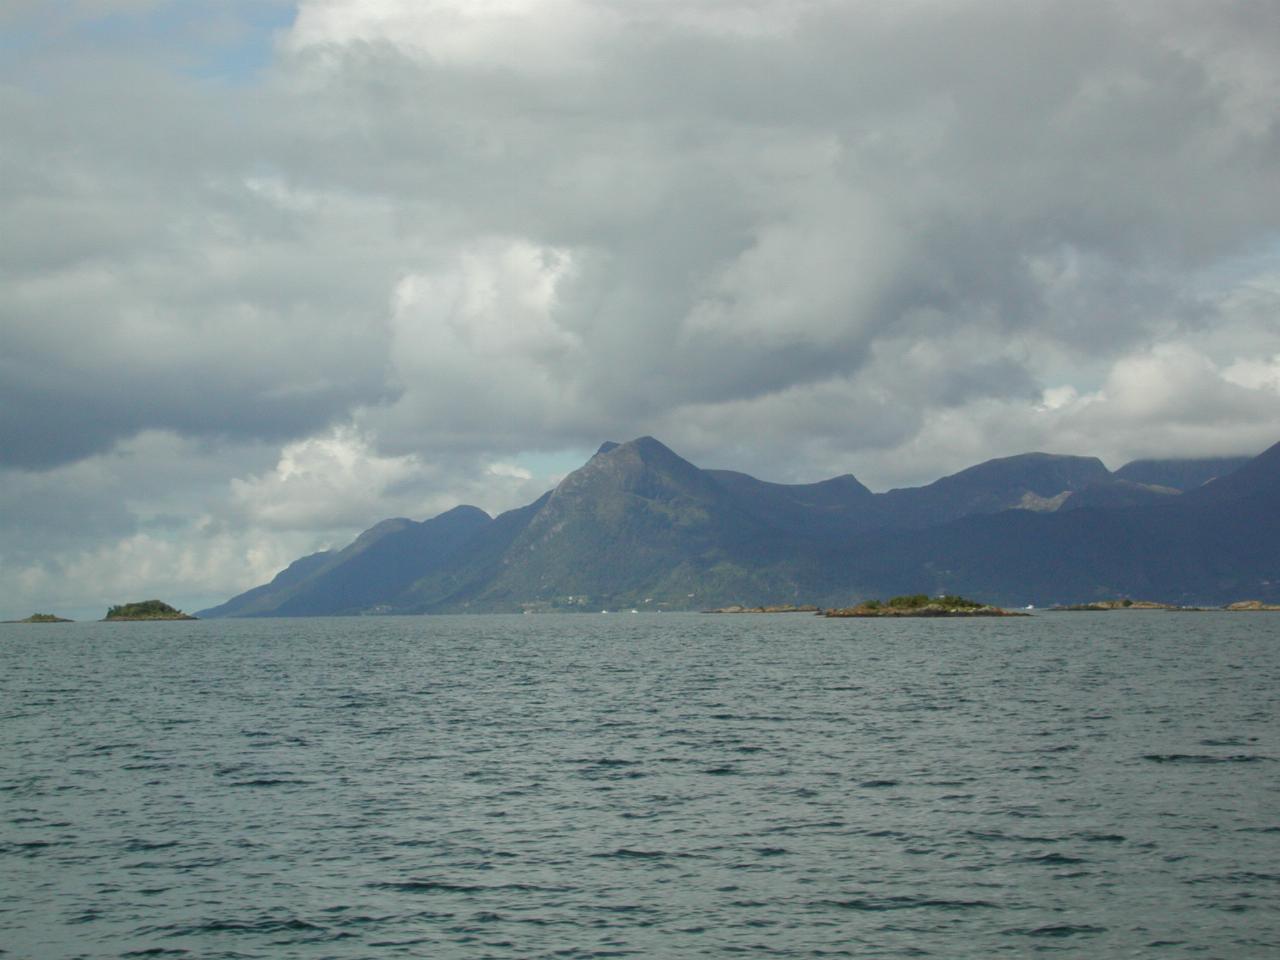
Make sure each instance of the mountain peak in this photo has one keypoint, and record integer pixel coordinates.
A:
(642, 466)
(646, 447)
(465, 511)
(1039, 481)
(1045, 474)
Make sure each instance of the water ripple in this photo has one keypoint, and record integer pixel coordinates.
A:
(673, 786)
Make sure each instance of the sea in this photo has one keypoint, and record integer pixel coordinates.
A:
(642, 785)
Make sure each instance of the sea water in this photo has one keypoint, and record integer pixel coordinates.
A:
(653, 785)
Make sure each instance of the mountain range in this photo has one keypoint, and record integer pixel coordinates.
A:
(640, 527)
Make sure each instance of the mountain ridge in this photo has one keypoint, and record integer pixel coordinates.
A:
(638, 525)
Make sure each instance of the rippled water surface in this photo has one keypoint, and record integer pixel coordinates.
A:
(1094, 785)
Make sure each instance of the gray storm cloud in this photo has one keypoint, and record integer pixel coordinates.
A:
(797, 238)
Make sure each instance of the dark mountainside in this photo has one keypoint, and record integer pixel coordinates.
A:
(1117, 493)
(638, 526)
(841, 503)
(266, 598)
(1031, 481)
(377, 566)
(1180, 475)
(1257, 478)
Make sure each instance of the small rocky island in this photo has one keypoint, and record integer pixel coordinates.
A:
(42, 618)
(146, 610)
(920, 605)
(1099, 606)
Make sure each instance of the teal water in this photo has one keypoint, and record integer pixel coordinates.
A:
(1101, 785)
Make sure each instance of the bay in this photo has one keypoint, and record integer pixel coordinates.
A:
(1103, 785)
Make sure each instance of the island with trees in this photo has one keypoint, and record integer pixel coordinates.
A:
(146, 610)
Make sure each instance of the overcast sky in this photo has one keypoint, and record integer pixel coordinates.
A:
(270, 272)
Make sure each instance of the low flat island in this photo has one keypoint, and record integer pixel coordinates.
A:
(773, 608)
(42, 618)
(1101, 606)
(920, 605)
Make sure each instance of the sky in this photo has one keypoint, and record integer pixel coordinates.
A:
(271, 272)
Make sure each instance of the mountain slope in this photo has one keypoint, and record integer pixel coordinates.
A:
(457, 585)
(264, 599)
(1117, 493)
(840, 505)
(379, 563)
(1029, 481)
(636, 521)
(1218, 543)
(639, 525)
(1181, 475)
(1260, 477)
(369, 578)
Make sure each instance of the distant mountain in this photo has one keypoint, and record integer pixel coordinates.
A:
(1030, 481)
(1180, 475)
(1211, 545)
(370, 572)
(1257, 478)
(1040, 482)
(263, 600)
(639, 526)
(637, 520)
(841, 504)
(1117, 493)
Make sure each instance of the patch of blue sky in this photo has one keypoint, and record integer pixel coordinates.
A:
(18, 40)
(1261, 264)
(552, 464)
(229, 41)
(241, 61)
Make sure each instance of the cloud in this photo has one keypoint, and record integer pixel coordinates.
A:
(141, 566)
(532, 36)
(339, 482)
(139, 521)
(1153, 403)
(839, 180)
(797, 238)
(149, 283)
(158, 515)
(323, 483)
